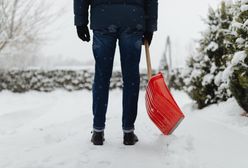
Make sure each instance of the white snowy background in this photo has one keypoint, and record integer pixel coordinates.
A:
(52, 130)
(181, 20)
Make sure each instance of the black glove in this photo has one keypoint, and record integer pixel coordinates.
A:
(148, 37)
(83, 33)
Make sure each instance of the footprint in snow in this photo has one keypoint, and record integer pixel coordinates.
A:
(180, 152)
(104, 163)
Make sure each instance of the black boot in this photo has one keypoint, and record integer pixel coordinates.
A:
(130, 138)
(97, 138)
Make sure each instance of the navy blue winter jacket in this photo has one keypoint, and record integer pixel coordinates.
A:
(141, 14)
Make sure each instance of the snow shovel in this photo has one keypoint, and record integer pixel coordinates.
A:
(160, 105)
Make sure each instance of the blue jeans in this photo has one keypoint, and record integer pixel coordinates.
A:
(104, 44)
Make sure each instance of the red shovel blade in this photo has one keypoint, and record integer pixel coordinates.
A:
(161, 106)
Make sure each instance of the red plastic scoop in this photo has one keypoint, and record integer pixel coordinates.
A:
(161, 106)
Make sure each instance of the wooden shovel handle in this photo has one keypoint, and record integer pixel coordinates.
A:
(148, 60)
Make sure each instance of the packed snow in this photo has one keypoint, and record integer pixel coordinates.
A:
(244, 8)
(238, 57)
(244, 1)
(52, 130)
(218, 79)
(207, 79)
(240, 41)
(213, 46)
(246, 23)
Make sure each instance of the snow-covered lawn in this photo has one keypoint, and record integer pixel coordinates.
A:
(52, 130)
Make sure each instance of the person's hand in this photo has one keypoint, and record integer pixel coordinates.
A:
(148, 37)
(83, 33)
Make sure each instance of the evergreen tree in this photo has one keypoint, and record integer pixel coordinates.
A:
(239, 63)
(203, 80)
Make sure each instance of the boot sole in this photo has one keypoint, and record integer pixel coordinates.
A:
(130, 143)
(98, 143)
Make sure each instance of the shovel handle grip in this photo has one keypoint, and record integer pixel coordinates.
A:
(148, 60)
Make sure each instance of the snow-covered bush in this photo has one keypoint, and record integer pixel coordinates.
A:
(42, 80)
(238, 67)
(49, 80)
(177, 79)
(239, 82)
(205, 68)
(219, 67)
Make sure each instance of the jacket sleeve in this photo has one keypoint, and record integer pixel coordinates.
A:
(151, 12)
(81, 8)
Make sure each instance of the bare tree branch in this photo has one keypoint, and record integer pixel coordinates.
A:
(22, 23)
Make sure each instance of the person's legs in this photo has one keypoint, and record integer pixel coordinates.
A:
(104, 44)
(130, 43)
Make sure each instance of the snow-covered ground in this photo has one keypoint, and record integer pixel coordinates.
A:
(52, 130)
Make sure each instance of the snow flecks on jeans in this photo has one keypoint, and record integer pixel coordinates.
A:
(112, 28)
(138, 44)
(139, 27)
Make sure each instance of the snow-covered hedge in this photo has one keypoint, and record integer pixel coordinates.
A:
(49, 80)
(176, 79)
(219, 67)
(203, 75)
(239, 84)
(238, 67)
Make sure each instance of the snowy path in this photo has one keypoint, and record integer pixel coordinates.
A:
(50, 130)
(217, 144)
